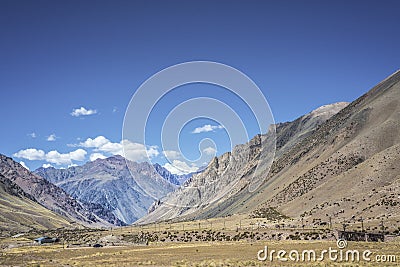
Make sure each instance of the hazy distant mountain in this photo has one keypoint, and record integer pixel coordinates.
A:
(172, 178)
(25, 184)
(109, 183)
(176, 179)
(342, 165)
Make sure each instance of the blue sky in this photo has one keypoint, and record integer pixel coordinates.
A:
(58, 56)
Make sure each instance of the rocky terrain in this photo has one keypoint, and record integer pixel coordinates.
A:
(227, 175)
(337, 163)
(127, 192)
(24, 184)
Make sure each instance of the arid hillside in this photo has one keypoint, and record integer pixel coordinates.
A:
(344, 168)
(20, 212)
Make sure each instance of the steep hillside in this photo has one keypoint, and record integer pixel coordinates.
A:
(349, 168)
(213, 192)
(344, 170)
(19, 212)
(51, 196)
(109, 183)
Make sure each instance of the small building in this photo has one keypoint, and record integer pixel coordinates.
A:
(361, 236)
(45, 239)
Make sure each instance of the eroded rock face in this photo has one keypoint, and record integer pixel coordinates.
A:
(331, 162)
(228, 174)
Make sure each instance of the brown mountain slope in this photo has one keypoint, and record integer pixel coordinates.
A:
(346, 168)
(19, 212)
(351, 170)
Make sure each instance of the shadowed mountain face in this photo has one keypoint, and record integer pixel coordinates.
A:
(127, 192)
(343, 165)
(25, 184)
(172, 178)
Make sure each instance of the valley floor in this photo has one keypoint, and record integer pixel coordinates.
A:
(22, 252)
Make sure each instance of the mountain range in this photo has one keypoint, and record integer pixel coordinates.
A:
(124, 187)
(338, 162)
(18, 181)
(100, 193)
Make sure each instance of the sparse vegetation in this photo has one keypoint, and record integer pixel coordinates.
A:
(214, 253)
(268, 213)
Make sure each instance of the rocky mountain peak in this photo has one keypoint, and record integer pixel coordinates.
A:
(327, 111)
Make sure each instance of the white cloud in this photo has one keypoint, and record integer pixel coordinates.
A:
(95, 156)
(24, 165)
(78, 154)
(112, 148)
(52, 156)
(30, 154)
(32, 135)
(83, 112)
(51, 137)
(95, 143)
(133, 151)
(210, 150)
(207, 128)
(46, 165)
(138, 152)
(172, 154)
(67, 158)
(180, 167)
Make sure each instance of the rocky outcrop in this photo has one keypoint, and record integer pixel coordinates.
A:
(227, 175)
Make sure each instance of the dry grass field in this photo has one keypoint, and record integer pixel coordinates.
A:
(186, 254)
(185, 244)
